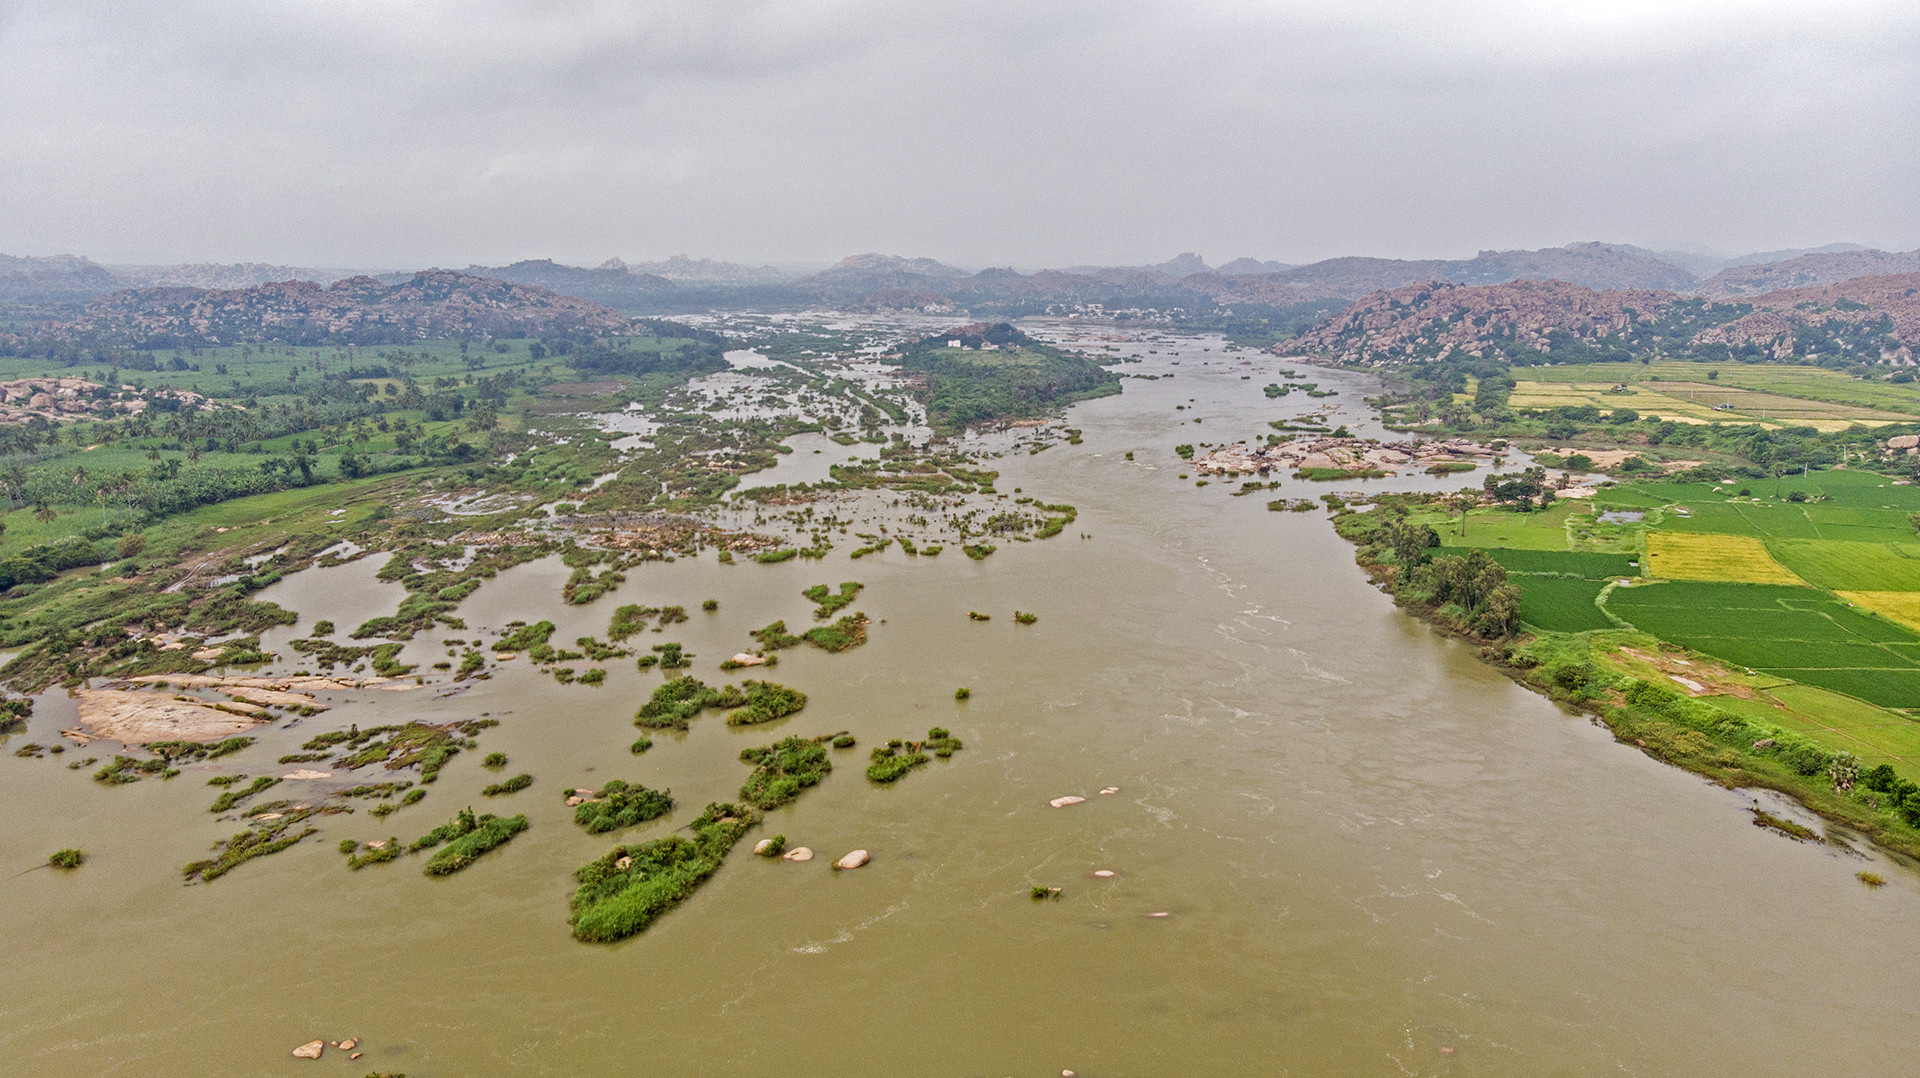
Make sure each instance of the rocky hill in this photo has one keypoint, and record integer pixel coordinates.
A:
(1870, 320)
(612, 282)
(56, 278)
(1807, 271)
(362, 310)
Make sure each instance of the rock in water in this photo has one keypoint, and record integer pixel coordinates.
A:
(310, 1050)
(853, 860)
(798, 853)
(354, 1042)
(761, 847)
(1103, 873)
(1063, 802)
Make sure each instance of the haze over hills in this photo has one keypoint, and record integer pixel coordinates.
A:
(1809, 270)
(53, 279)
(223, 275)
(690, 284)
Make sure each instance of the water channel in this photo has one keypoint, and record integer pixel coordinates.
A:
(1375, 855)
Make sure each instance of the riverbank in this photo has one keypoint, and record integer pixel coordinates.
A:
(1616, 676)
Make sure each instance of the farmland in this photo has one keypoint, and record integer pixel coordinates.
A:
(1688, 385)
(1697, 556)
(1803, 588)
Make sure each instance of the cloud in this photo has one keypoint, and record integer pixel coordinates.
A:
(385, 133)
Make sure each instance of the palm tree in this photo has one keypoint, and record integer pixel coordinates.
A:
(44, 512)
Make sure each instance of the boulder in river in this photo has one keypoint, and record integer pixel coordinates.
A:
(1063, 802)
(310, 1050)
(798, 853)
(853, 860)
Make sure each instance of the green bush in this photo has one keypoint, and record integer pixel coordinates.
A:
(622, 804)
(782, 770)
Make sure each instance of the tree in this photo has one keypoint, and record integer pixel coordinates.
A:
(1411, 542)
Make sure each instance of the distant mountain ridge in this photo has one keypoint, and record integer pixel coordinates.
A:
(361, 310)
(880, 281)
(227, 275)
(1806, 271)
(55, 278)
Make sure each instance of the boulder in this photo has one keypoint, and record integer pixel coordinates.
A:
(1063, 802)
(761, 847)
(623, 864)
(353, 1042)
(1103, 873)
(1110, 790)
(798, 853)
(310, 1050)
(853, 860)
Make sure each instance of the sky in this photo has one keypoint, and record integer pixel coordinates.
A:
(405, 133)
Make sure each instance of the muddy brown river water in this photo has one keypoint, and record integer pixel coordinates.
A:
(1376, 856)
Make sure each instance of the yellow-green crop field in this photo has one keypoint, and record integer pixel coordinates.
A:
(1871, 396)
(1739, 559)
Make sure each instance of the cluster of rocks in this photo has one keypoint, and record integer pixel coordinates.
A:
(1349, 453)
(766, 847)
(315, 1049)
(63, 400)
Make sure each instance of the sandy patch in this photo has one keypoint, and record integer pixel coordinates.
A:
(1694, 678)
(140, 717)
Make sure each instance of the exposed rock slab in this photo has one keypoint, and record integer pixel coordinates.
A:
(139, 717)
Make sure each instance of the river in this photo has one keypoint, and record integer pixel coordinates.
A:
(1375, 854)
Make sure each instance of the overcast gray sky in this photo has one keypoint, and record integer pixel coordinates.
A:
(410, 132)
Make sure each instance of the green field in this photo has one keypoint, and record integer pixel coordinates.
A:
(1560, 604)
(1841, 565)
(1798, 633)
(1587, 564)
(1543, 530)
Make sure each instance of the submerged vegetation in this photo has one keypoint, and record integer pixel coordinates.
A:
(783, 769)
(625, 890)
(620, 804)
(766, 701)
(466, 837)
(891, 761)
(676, 703)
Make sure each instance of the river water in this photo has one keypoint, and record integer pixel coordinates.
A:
(1376, 856)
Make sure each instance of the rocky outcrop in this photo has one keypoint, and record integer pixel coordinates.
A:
(56, 278)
